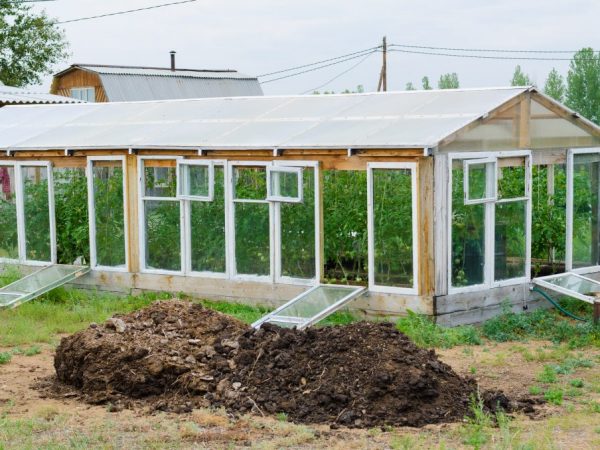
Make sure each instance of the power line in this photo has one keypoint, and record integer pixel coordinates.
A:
(118, 13)
(340, 74)
(319, 62)
(456, 55)
(481, 50)
(317, 68)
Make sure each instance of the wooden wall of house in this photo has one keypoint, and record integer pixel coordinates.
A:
(78, 78)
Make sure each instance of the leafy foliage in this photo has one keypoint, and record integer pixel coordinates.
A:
(448, 81)
(583, 84)
(520, 78)
(425, 333)
(555, 86)
(30, 44)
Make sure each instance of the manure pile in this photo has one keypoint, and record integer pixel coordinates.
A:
(175, 356)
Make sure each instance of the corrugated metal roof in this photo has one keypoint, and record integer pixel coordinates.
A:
(14, 96)
(160, 72)
(128, 88)
(412, 119)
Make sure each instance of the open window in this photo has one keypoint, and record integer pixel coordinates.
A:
(195, 180)
(490, 226)
(284, 184)
(479, 180)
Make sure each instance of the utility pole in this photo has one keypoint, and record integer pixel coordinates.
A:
(383, 74)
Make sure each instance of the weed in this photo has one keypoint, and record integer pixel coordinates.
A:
(9, 274)
(5, 357)
(425, 333)
(576, 382)
(32, 351)
(595, 407)
(548, 375)
(281, 416)
(554, 396)
(535, 390)
(476, 430)
(473, 370)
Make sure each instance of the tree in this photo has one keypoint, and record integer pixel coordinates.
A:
(448, 81)
(520, 78)
(425, 83)
(30, 44)
(555, 86)
(410, 86)
(583, 84)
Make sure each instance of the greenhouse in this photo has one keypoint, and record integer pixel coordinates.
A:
(444, 202)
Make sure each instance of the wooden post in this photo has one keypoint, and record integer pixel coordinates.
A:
(131, 198)
(382, 85)
(596, 312)
(523, 124)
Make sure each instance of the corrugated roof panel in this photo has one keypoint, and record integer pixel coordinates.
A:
(121, 88)
(392, 119)
(14, 95)
(166, 72)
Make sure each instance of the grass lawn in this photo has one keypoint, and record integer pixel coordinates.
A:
(541, 353)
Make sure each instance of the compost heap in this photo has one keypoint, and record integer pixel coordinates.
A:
(176, 355)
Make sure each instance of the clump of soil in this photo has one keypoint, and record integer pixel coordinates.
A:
(176, 355)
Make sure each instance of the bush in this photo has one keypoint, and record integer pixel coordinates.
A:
(425, 333)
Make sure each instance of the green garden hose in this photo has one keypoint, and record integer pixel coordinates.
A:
(557, 306)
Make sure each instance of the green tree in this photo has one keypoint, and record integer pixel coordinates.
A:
(30, 44)
(448, 81)
(555, 86)
(583, 84)
(520, 78)
(410, 87)
(425, 83)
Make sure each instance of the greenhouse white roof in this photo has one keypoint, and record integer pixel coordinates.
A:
(410, 119)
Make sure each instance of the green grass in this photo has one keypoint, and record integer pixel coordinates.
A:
(554, 396)
(425, 333)
(5, 357)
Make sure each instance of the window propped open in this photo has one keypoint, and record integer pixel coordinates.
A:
(284, 184)
(195, 180)
(480, 180)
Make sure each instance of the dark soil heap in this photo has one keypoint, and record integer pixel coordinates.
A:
(177, 355)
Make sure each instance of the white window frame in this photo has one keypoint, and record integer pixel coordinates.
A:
(142, 218)
(490, 178)
(490, 223)
(92, 213)
(183, 166)
(278, 277)
(20, 204)
(84, 89)
(187, 211)
(373, 286)
(230, 207)
(569, 228)
(286, 168)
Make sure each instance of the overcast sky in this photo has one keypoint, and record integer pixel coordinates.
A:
(260, 36)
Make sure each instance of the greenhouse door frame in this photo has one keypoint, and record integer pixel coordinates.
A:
(92, 213)
(20, 209)
(373, 286)
(570, 194)
(490, 221)
(275, 273)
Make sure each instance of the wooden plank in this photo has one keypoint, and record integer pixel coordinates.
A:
(481, 298)
(78, 78)
(549, 157)
(524, 120)
(440, 223)
(131, 197)
(425, 206)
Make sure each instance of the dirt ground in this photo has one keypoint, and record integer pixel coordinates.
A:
(29, 420)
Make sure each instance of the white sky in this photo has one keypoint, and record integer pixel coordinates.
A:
(260, 36)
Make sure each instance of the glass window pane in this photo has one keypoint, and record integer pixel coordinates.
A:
(392, 227)
(37, 213)
(285, 184)
(575, 283)
(208, 229)
(9, 244)
(317, 300)
(481, 180)
(163, 244)
(586, 210)
(71, 210)
(110, 214)
(195, 180)
(252, 245)
(160, 178)
(250, 183)
(510, 240)
(511, 179)
(468, 235)
(298, 232)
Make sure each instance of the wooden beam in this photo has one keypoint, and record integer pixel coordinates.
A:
(425, 207)
(523, 125)
(131, 199)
